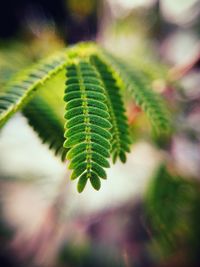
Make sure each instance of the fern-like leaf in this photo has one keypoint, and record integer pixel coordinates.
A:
(96, 125)
(87, 126)
(46, 123)
(120, 133)
(20, 89)
(139, 87)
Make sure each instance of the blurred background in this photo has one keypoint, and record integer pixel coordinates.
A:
(147, 212)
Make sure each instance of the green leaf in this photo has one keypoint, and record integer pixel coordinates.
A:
(119, 129)
(88, 123)
(95, 181)
(139, 87)
(78, 170)
(75, 150)
(46, 123)
(74, 139)
(82, 182)
(19, 90)
(99, 170)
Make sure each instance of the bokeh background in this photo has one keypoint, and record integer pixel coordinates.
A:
(147, 212)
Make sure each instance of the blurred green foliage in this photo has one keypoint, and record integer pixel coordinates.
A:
(172, 206)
